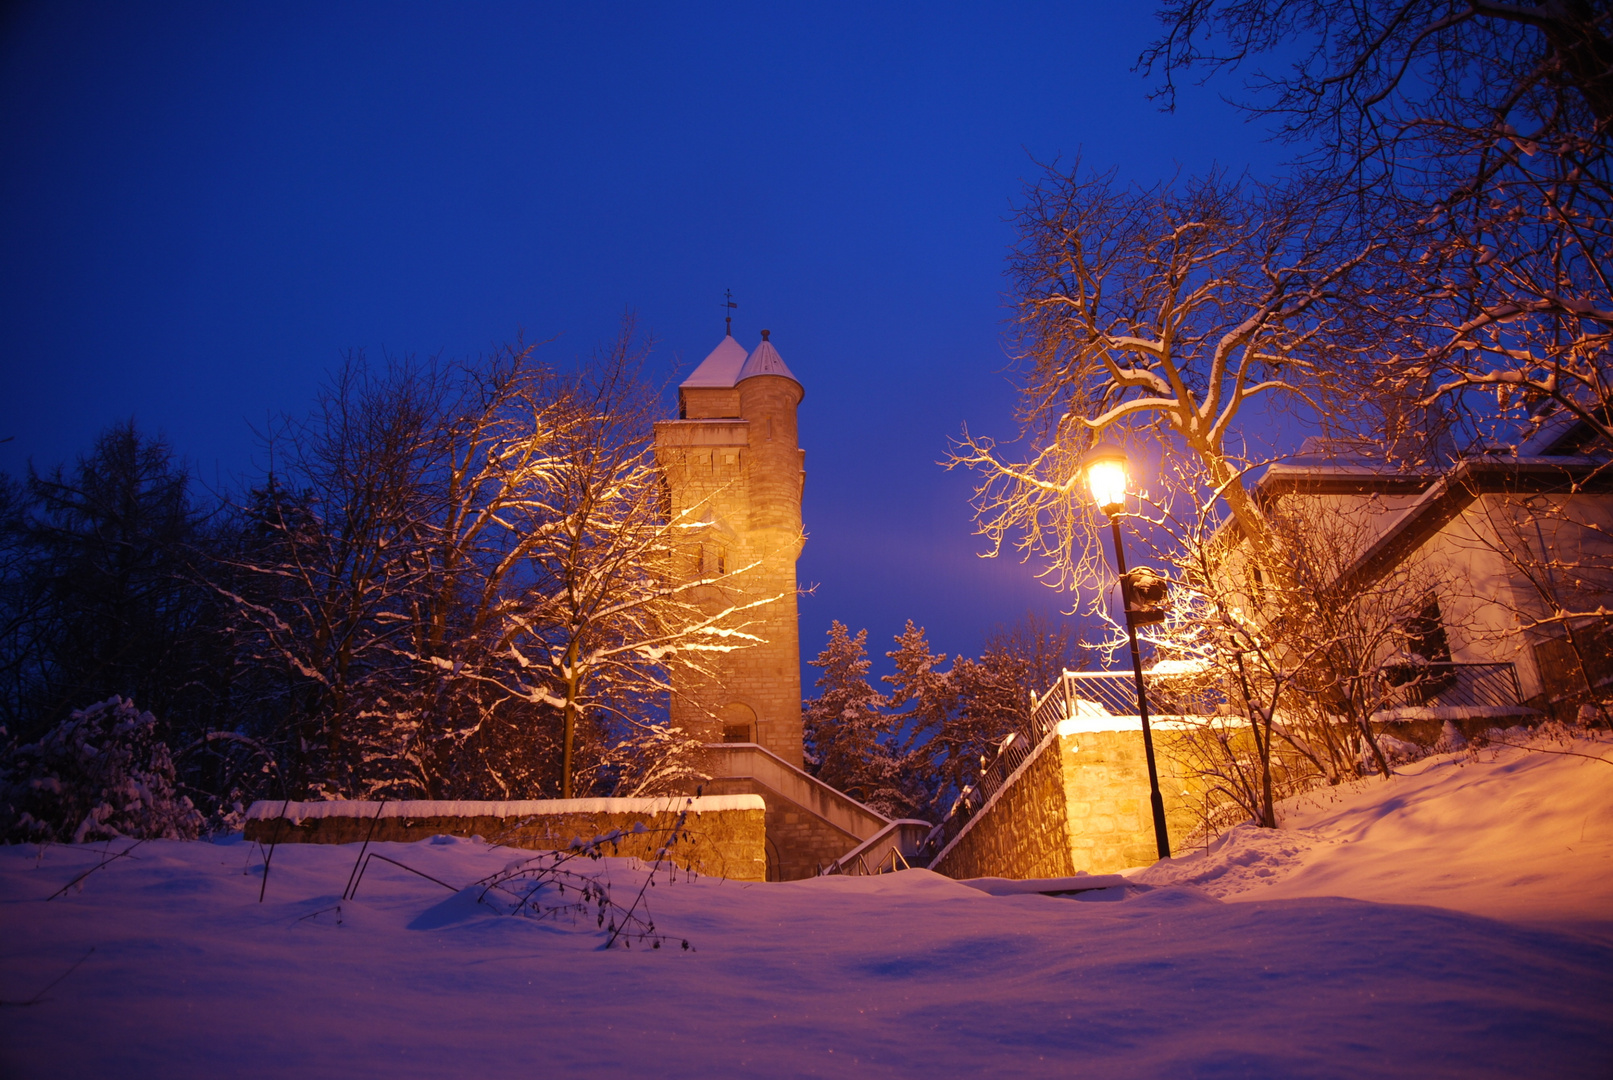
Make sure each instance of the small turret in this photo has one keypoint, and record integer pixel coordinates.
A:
(768, 397)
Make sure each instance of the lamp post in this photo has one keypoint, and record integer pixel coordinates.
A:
(1106, 478)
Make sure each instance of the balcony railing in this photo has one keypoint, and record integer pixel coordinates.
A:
(1446, 690)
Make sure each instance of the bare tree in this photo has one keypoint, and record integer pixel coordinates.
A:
(1264, 705)
(611, 603)
(325, 570)
(1164, 312)
(1478, 131)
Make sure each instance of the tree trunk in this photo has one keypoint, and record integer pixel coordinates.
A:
(569, 719)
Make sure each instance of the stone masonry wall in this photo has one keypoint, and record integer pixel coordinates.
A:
(1080, 805)
(1105, 781)
(729, 843)
(1023, 833)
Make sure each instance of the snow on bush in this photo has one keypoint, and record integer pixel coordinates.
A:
(99, 774)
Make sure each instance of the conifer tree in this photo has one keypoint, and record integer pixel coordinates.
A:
(846, 730)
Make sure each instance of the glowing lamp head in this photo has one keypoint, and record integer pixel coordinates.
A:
(1106, 478)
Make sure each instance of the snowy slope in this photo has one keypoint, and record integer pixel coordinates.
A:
(904, 975)
(1524, 835)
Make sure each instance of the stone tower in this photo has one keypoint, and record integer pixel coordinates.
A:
(733, 464)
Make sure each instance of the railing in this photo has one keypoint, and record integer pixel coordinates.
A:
(1014, 750)
(1426, 691)
(1478, 689)
(895, 847)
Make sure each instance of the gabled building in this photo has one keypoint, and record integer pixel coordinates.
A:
(1504, 542)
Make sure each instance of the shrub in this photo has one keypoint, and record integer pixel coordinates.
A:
(101, 773)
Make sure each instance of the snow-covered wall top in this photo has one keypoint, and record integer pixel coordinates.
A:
(1082, 723)
(268, 810)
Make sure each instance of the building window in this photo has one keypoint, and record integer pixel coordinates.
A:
(1426, 670)
(1425, 633)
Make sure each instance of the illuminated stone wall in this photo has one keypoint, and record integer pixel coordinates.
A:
(1105, 788)
(1080, 804)
(799, 842)
(1023, 832)
(723, 836)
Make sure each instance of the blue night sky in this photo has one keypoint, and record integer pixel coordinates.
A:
(204, 206)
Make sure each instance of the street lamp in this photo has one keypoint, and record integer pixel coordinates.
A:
(1106, 479)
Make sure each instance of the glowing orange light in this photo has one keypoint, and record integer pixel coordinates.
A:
(1106, 479)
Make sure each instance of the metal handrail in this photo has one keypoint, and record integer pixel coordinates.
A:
(1446, 685)
(1114, 693)
(893, 861)
(1013, 751)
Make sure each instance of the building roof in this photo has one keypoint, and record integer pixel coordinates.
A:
(1455, 491)
(765, 360)
(1564, 459)
(720, 368)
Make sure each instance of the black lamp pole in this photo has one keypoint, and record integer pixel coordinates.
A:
(1161, 834)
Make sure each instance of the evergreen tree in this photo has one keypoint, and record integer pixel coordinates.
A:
(97, 597)
(846, 731)
(927, 698)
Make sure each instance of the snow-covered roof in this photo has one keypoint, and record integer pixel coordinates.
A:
(765, 360)
(720, 368)
(1553, 432)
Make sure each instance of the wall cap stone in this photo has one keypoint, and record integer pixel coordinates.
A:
(274, 809)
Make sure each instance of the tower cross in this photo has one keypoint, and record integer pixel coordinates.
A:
(728, 303)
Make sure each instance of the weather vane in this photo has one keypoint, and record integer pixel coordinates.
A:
(728, 302)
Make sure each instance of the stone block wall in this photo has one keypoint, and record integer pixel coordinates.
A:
(1105, 797)
(720, 836)
(1080, 804)
(1023, 832)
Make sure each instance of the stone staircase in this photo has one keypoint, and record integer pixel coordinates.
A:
(810, 825)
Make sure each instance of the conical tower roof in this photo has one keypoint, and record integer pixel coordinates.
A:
(765, 360)
(720, 368)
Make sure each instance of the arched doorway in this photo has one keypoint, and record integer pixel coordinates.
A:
(738, 722)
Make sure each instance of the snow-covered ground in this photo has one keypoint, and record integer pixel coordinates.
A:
(1522, 835)
(1456, 921)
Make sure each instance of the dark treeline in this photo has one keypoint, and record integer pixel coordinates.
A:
(909, 752)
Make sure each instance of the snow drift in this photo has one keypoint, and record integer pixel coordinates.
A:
(1455, 921)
